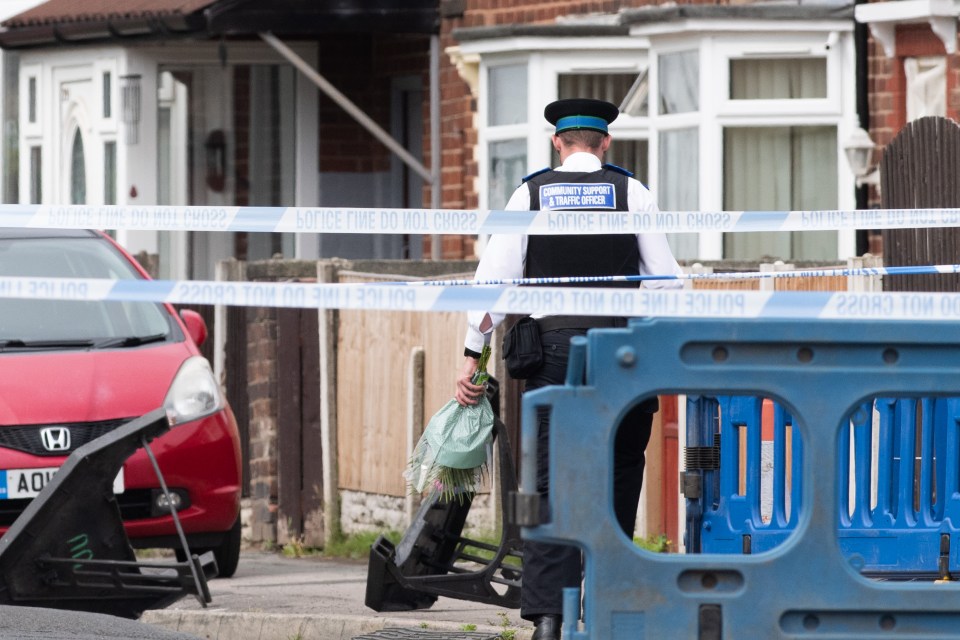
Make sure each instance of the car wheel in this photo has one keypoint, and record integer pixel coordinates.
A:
(227, 553)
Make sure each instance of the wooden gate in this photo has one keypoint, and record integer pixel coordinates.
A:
(299, 444)
(920, 169)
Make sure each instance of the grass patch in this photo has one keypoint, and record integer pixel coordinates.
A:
(356, 546)
(656, 544)
(506, 632)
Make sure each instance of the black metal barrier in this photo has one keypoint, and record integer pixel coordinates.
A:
(433, 559)
(69, 550)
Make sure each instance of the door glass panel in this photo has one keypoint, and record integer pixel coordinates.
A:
(78, 173)
(227, 139)
(110, 172)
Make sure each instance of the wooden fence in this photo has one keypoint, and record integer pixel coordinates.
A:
(376, 389)
(920, 169)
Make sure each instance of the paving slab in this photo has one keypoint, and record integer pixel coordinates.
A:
(272, 597)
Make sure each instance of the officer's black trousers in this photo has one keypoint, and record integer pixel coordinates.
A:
(549, 568)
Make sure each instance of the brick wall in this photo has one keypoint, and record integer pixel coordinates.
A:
(887, 84)
(361, 66)
(263, 393)
(458, 131)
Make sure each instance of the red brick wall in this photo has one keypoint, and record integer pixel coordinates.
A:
(361, 67)
(262, 394)
(459, 136)
(887, 84)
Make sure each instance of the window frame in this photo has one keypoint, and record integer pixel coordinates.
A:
(717, 42)
(107, 124)
(826, 111)
(544, 66)
(791, 46)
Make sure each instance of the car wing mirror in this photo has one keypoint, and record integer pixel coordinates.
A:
(196, 325)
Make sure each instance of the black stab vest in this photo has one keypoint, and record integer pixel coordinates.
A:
(565, 255)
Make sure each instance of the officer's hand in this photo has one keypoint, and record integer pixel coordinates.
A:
(467, 392)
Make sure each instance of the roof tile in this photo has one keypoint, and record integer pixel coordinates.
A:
(61, 11)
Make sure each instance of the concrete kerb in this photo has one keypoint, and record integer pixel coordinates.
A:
(224, 625)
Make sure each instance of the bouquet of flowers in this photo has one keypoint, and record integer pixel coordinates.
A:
(452, 452)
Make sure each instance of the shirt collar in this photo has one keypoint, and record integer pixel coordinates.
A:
(581, 161)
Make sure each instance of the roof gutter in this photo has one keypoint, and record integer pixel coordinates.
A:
(92, 31)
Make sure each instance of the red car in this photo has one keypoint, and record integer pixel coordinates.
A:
(73, 370)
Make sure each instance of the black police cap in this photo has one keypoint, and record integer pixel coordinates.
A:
(580, 113)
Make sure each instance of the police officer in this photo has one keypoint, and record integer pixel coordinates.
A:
(583, 183)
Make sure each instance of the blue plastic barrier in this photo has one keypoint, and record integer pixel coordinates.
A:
(809, 585)
(897, 530)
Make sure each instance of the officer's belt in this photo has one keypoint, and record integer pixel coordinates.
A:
(553, 323)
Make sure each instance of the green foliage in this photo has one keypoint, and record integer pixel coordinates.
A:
(506, 632)
(468, 627)
(656, 544)
(356, 546)
(297, 549)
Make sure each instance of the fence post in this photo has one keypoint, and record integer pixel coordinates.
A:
(328, 321)
(415, 420)
(770, 284)
(865, 283)
(695, 268)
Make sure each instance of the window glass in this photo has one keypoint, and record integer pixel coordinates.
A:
(612, 87)
(36, 175)
(637, 100)
(778, 79)
(679, 77)
(107, 107)
(508, 164)
(78, 172)
(679, 185)
(32, 100)
(780, 169)
(507, 93)
(110, 172)
(626, 153)
(11, 126)
(35, 319)
(631, 154)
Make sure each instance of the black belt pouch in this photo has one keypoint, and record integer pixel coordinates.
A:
(522, 350)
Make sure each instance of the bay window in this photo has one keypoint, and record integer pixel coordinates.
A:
(710, 119)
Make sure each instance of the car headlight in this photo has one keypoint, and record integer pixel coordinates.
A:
(194, 393)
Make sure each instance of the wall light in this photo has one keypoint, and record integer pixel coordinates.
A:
(859, 151)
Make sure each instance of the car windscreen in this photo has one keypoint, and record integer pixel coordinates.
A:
(29, 321)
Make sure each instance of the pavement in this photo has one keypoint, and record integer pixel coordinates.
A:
(272, 597)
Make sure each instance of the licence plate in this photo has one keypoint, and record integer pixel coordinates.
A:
(27, 483)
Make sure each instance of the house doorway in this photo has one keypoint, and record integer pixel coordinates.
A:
(226, 137)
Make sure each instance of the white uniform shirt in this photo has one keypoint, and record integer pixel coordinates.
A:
(505, 254)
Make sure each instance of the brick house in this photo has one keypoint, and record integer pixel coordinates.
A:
(734, 105)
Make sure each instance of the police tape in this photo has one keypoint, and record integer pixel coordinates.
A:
(519, 300)
(937, 269)
(458, 221)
